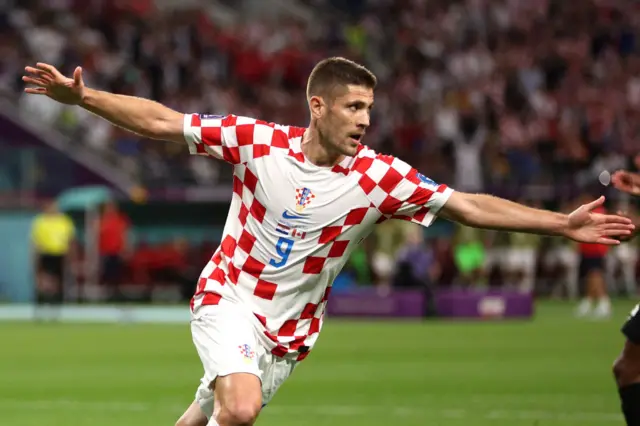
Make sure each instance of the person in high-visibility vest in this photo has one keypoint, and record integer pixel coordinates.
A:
(52, 233)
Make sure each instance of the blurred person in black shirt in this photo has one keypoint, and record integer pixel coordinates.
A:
(626, 368)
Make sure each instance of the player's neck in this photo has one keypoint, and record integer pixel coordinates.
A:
(317, 152)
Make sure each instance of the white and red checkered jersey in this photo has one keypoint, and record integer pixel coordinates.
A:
(292, 225)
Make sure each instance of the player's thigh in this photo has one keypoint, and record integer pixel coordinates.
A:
(238, 396)
(228, 348)
(234, 395)
(193, 416)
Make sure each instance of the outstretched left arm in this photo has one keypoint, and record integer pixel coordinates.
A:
(486, 211)
(399, 191)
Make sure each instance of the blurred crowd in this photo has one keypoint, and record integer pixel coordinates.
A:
(495, 95)
(527, 99)
(398, 254)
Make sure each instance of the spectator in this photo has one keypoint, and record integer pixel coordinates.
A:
(358, 268)
(416, 264)
(447, 271)
(561, 261)
(113, 248)
(468, 145)
(469, 256)
(593, 278)
(521, 259)
(624, 258)
(171, 267)
(388, 238)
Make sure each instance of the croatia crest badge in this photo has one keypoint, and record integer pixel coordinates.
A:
(303, 198)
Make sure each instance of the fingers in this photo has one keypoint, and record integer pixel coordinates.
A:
(616, 232)
(40, 78)
(626, 181)
(35, 81)
(608, 241)
(629, 177)
(618, 177)
(613, 219)
(40, 73)
(594, 204)
(626, 225)
(77, 76)
(36, 90)
(48, 68)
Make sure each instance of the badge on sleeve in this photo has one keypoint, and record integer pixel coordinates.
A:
(426, 180)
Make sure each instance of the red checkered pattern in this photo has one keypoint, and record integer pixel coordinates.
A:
(278, 261)
(297, 333)
(300, 332)
(398, 190)
(234, 139)
(333, 239)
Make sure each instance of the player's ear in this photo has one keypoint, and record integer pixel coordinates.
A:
(317, 106)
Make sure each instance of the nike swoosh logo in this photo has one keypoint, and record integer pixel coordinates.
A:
(287, 215)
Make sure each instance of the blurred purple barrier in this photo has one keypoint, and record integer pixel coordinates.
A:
(371, 303)
(450, 303)
(494, 303)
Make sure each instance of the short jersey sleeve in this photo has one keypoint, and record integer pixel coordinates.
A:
(231, 138)
(399, 191)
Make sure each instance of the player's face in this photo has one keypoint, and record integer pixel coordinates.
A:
(346, 119)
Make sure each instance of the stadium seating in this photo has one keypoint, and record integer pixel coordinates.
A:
(440, 79)
(483, 98)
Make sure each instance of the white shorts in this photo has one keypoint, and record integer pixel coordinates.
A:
(227, 342)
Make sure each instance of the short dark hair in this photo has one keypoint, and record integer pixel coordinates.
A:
(331, 73)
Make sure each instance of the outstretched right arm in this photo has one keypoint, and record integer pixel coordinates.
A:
(142, 116)
(230, 138)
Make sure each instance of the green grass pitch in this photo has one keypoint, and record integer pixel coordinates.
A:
(553, 370)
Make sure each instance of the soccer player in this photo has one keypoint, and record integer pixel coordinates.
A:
(626, 368)
(303, 199)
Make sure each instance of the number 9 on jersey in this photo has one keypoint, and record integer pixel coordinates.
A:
(283, 248)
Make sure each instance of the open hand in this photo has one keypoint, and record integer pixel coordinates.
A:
(588, 227)
(635, 219)
(50, 82)
(625, 181)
